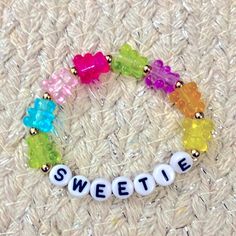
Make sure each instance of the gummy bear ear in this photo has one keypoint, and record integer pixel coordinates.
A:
(125, 48)
(158, 63)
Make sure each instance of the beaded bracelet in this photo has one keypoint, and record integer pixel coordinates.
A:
(42, 150)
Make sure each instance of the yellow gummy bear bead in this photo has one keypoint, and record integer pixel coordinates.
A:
(197, 133)
(42, 150)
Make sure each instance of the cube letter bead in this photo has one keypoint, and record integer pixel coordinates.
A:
(161, 77)
(129, 62)
(42, 150)
(188, 99)
(41, 115)
(89, 67)
(197, 133)
(60, 175)
(60, 85)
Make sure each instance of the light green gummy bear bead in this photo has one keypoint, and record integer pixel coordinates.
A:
(129, 62)
(42, 150)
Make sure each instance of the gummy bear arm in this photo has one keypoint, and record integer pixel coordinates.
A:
(27, 121)
(187, 123)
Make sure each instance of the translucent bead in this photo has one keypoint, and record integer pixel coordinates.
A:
(41, 115)
(197, 133)
(188, 99)
(129, 62)
(42, 150)
(161, 77)
(89, 67)
(60, 85)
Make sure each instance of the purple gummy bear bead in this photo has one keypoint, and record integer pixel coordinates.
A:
(161, 77)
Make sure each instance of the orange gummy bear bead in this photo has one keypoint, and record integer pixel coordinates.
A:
(188, 99)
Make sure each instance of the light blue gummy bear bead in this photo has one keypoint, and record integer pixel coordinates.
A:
(41, 115)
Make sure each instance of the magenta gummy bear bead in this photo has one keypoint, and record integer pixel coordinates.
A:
(89, 67)
(161, 77)
(60, 85)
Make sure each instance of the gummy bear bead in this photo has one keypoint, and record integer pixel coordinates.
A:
(89, 67)
(129, 62)
(60, 85)
(161, 77)
(188, 99)
(42, 150)
(197, 133)
(41, 115)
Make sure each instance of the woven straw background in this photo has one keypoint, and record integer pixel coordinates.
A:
(118, 127)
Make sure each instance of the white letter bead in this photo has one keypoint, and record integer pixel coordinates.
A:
(144, 184)
(100, 189)
(181, 162)
(79, 186)
(164, 174)
(122, 187)
(60, 175)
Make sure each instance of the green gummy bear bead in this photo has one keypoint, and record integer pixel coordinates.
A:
(42, 150)
(129, 62)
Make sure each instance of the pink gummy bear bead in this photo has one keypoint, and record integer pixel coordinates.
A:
(60, 85)
(89, 67)
(161, 77)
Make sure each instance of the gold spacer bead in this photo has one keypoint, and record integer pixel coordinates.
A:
(199, 115)
(45, 168)
(147, 69)
(109, 58)
(33, 131)
(195, 154)
(73, 71)
(179, 84)
(47, 96)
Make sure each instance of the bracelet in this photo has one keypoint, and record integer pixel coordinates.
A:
(42, 150)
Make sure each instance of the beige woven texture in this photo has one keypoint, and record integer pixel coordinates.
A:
(118, 127)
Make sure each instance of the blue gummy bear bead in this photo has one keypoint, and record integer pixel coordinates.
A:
(41, 115)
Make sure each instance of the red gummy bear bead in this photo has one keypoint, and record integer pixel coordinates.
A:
(89, 67)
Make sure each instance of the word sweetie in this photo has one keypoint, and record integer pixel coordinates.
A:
(122, 187)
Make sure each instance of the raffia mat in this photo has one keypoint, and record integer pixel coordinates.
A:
(118, 127)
